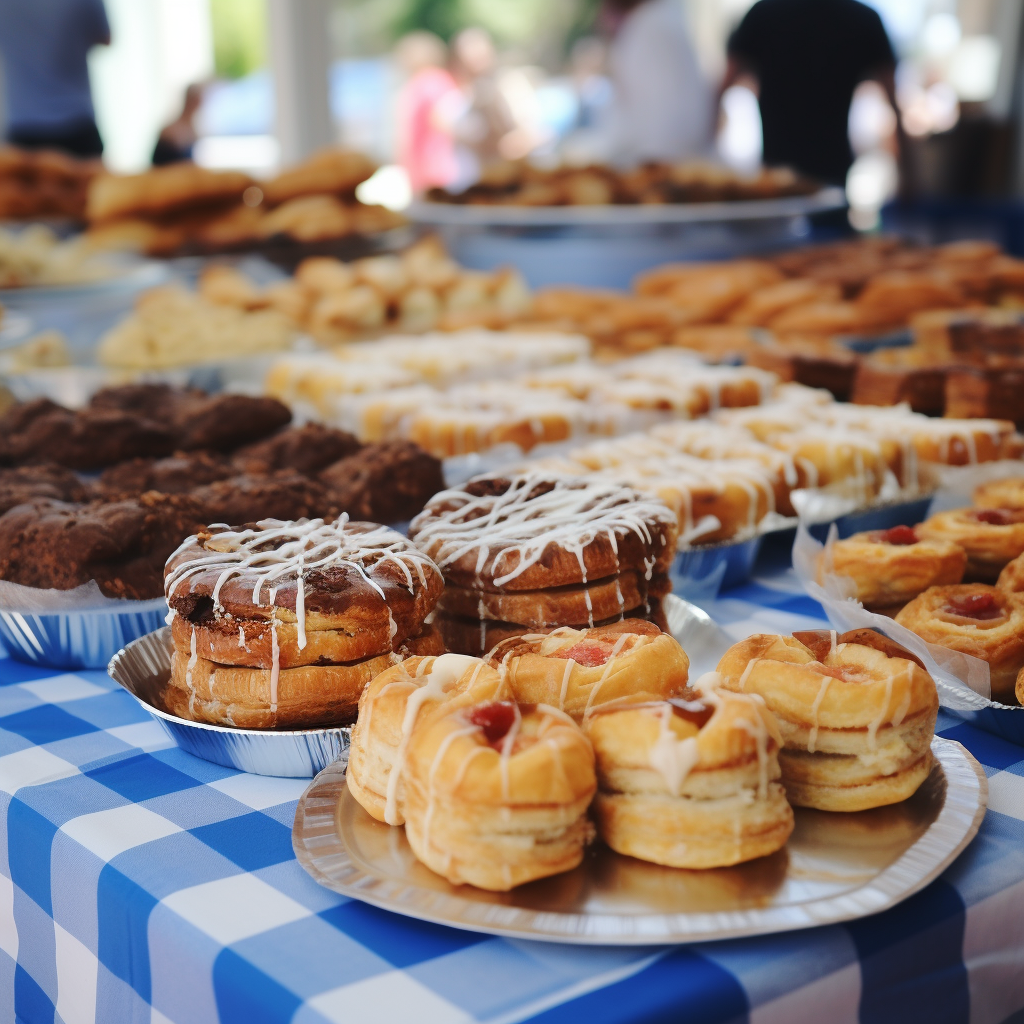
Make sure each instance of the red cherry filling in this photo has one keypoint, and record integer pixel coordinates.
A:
(900, 535)
(588, 653)
(495, 719)
(974, 606)
(994, 516)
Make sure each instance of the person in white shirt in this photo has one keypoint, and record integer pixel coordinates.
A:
(663, 106)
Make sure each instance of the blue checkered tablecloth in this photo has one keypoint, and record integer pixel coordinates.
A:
(140, 884)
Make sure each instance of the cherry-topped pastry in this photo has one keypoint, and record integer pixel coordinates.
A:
(991, 537)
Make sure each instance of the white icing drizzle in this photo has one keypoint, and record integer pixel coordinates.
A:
(901, 711)
(742, 684)
(300, 608)
(673, 759)
(569, 665)
(832, 635)
(623, 638)
(877, 721)
(506, 750)
(431, 788)
(275, 665)
(812, 736)
(193, 658)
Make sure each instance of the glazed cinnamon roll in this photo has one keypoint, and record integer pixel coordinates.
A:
(891, 567)
(856, 713)
(691, 782)
(985, 622)
(392, 706)
(497, 794)
(578, 670)
(1005, 493)
(990, 536)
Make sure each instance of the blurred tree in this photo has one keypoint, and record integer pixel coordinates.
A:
(239, 36)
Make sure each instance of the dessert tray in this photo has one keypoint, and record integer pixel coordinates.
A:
(836, 867)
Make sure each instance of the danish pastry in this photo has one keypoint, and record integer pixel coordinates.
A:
(396, 702)
(992, 537)
(1005, 493)
(496, 794)
(579, 670)
(691, 782)
(891, 567)
(985, 622)
(856, 713)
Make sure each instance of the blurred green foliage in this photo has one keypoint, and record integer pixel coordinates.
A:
(239, 36)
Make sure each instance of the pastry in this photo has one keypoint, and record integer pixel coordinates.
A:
(982, 621)
(985, 391)
(891, 567)
(293, 597)
(690, 782)
(579, 670)
(497, 795)
(1005, 493)
(856, 713)
(396, 702)
(992, 537)
(162, 190)
(308, 449)
(46, 480)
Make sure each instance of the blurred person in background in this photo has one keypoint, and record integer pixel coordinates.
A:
(663, 107)
(44, 45)
(586, 137)
(428, 104)
(807, 57)
(177, 141)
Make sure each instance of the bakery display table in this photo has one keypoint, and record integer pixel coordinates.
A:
(139, 883)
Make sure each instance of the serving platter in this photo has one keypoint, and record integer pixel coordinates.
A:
(836, 867)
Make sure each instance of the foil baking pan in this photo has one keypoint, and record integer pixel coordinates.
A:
(78, 639)
(836, 867)
(143, 668)
(698, 573)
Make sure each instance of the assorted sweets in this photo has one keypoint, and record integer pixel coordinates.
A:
(35, 257)
(183, 208)
(282, 624)
(43, 183)
(520, 183)
(534, 551)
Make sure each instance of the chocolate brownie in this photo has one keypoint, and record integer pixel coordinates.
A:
(122, 545)
(160, 402)
(27, 483)
(248, 499)
(177, 474)
(388, 482)
(87, 439)
(308, 450)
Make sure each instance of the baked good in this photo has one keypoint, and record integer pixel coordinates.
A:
(245, 499)
(395, 703)
(308, 449)
(292, 597)
(46, 480)
(973, 618)
(335, 171)
(122, 545)
(1005, 493)
(579, 670)
(856, 713)
(992, 537)
(162, 190)
(176, 474)
(1019, 689)
(690, 782)
(387, 482)
(891, 567)
(497, 795)
(986, 391)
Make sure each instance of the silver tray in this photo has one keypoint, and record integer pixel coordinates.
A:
(143, 668)
(836, 867)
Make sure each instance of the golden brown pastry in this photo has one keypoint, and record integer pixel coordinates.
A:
(856, 712)
(579, 670)
(891, 567)
(497, 795)
(691, 782)
(992, 537)
(392, 706)
(1005, 493)
(985, 622)
(1019, 689)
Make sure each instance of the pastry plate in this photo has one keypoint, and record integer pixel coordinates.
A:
(836, 867)
(143, 668)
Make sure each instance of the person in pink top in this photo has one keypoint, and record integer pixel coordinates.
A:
(428, 104)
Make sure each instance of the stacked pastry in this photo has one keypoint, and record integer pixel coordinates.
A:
(282, 624)
(533, 552)
(856, 714)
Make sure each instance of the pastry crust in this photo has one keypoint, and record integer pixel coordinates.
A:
(306, 697)
(1005, 493)
(397, 702)
(497, 806)
(991, 538)
(690, 783)
(856, 708)
(1019, 688)
(580, 670)
(1011, 579)
(985, 622)
(891, 567)
(533, 531)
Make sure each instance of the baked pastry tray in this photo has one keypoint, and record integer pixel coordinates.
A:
(836, 867)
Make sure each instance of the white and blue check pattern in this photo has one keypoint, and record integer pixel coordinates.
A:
(140, 884)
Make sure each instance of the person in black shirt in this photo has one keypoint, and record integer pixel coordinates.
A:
(808, 56)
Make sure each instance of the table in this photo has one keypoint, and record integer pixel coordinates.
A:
(141, 884)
